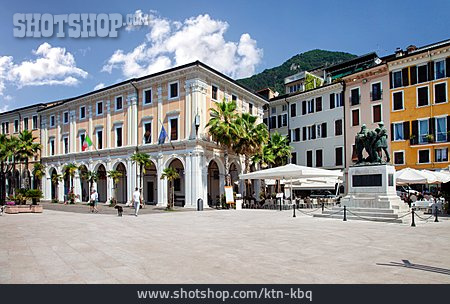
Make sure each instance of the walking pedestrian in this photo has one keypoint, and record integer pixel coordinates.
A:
(136, 201)
(94, 201)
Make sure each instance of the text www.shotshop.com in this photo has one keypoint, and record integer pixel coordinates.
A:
(262, 293)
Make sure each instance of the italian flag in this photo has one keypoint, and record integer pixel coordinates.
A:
(87, 143)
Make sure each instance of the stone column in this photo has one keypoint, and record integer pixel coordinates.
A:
(108, 124)
(58, 144)
(162, 184)
(188, 179)
(131, 179)
(109, 182)
(198, 178)
(160, 118)
(47, 186)
(60, 189)
(133, 119)
(77, 185)
(74, 132)
(187, 112)
(91, 126)
(44, 137)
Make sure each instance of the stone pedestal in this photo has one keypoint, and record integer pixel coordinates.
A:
(373, 186)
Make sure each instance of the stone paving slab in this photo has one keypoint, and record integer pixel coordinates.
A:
(226, 246)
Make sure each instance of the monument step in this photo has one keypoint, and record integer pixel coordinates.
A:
(365, 218)
(353, 209)
(364, 214)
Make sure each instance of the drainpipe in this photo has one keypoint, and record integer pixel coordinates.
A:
(345, 137)
(137, 120)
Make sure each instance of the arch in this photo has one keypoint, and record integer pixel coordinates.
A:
(213, 181)
(121, 186)
(102, 184)
(179, 184)
(84, 184)
(171, 159)
(150, 184)
(235, 170)
(54, 186)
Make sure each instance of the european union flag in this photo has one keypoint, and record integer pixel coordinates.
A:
(162, 136)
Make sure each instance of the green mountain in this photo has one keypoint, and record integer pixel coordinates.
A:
(274, 77)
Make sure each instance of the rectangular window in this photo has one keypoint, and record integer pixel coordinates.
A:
(34, 122)
(119, 142)
(148, 96)
(397, 81)
(339, 101)
(293, 109)
(439, 69)
(355, 117)
(376, 112)
(423, 131)
(119, 103)
(82, 138)
(82, 112)
(25, 123)
(354, 97)
(422, 73)
(284, 108)
(296, 135)
(339, 152)
(6, 127)
(294, 158)
(319, 161)
(66, 145)
(147, 132)
(234, 98)
(214, 91)
(399, 157)
(441, 129)
(422, 96)
(250, 108)
(376, 91)
(66, 118)
(173, 128)
(284, 119)
(440, 92)
(273, 122)
(311, 106)
(273, 110)
(16, 126)
(398, 131)
(338, 127)
(173, 90)
(441, 155)
(99, 139)
(309, 160)
(318, 104)
(397, 99)
(51, 143)
(52, 121)
(99, 108)
(424, 156)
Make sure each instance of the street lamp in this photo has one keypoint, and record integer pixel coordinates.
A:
(197, 124)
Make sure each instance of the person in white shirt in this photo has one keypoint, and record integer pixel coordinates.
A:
(94, 201)
(136, 201)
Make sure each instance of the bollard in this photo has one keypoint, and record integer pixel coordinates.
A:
(436, 214)
(323, 205)
(413, 224)
(281, 207)
(293, 207)
(345, 213)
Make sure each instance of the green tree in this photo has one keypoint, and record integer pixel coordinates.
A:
(70, 171)
(143, 161)
(38, 173)
(26, 149)
(115, 176)
(171, 175)
(280, 149)
(223, 129)
(7, 147)
(252, 137)
(90, 176)
(56, 180)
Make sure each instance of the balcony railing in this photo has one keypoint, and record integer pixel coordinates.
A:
(376, 96)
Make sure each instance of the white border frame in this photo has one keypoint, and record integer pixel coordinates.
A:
(393, 157)
(434, 156)
(350, 97)
(96, 108)
(115, 103)
(116, 126)
(50, 121)
(428, 96)
(37, 122)
(178, 90)
(393, 135)
(381, 91)
(434, 92)
(170, 129)
(381, 110)
(403, 100)
(143, 96)
(429, 156)
(359, 117)
(146, 121)
(85, 112)
(393, 79)
(99, 129)
(68, 143)
(68, 117)
(218, 89)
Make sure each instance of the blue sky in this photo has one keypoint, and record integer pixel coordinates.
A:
(241, 38)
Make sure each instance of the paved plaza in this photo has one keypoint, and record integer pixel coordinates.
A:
(225, 246)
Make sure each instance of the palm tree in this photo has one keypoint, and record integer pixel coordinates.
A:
(56, 180)
(224, 131)
(251, 139)
(7, 148)
(115, 176)
(69, 171)
(265, 157)
(280, 149)
(26, 149)
(143, 161)
(38, 173)
(90, 176)
(171, 174)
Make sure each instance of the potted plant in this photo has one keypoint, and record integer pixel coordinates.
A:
(429, 138)
(34, 195)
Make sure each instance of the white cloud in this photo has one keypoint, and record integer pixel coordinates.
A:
(5, 66)
(4, 108)
(8, 98)
(101, 85)
(53, 66)
(171, 43)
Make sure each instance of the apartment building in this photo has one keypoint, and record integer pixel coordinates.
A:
(128, 117)
(419, 105)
